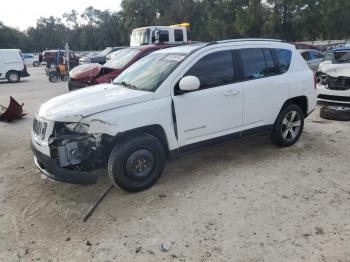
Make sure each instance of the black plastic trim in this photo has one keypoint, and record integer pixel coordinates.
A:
(50, 168)
(218, 140)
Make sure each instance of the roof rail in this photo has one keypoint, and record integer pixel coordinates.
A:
(246, 39)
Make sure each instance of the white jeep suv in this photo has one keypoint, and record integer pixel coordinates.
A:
(170, 102)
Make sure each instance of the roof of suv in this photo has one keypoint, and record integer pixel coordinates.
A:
(186, 49)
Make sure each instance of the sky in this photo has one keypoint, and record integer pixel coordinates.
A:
(25, 12)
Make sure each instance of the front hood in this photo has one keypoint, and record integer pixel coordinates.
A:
(85, 72)
(72, 107)
(335, 70)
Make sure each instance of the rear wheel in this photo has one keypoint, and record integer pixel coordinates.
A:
(136, 164)
(288, 126)
(13, 77)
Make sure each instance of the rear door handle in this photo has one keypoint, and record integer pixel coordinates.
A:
(232, 93)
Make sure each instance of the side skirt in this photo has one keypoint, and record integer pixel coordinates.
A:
(195, 147)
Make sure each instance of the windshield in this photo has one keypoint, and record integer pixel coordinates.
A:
(105, 52)
(139, 37)
(149, 72)
(121, 59)
(342, 56)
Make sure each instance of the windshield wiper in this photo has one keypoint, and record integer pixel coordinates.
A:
(128, 85)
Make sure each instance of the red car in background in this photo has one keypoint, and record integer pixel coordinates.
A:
(93, 74)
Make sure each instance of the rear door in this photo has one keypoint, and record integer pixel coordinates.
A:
(264, 89)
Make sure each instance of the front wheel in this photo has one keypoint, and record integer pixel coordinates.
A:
(136, 163)
(288, 126)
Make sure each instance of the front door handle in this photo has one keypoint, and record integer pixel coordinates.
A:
(232, 93)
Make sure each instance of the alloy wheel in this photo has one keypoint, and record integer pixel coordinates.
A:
(291, 125)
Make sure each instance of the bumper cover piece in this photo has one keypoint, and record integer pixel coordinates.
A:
(50, 168)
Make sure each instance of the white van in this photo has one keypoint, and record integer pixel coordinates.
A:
(12, 66)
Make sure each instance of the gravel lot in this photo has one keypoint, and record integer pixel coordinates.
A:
(243, 201)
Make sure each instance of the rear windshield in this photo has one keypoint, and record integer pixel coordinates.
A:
(121, 59)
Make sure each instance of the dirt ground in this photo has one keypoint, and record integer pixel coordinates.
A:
(243, 201)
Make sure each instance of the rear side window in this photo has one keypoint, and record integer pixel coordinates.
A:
(254, 65)
(270, 64)
(284, 58)
(179, 37)
(214, 69)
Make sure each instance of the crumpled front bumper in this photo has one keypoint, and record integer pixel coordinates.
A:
(50, 168)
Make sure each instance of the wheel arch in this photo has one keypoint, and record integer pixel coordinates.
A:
(156, 131)
(300, 101)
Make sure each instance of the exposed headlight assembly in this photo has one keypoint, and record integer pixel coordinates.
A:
(79, 128)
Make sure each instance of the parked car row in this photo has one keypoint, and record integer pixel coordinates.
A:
(334, 77)
(100, 57)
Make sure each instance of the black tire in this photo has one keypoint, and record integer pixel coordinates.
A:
(289, 126)
(13, 77)
(36, 64)
(53, 78)
(137, 163)
(339, 113)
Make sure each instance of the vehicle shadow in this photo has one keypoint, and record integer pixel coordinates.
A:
(189, 171)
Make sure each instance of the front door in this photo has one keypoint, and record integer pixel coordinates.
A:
(215, 109)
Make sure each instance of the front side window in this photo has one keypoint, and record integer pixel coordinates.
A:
(121, 59)
(284, 57)
(214, 69)
(149, 72)
(254, 65)
(139, 37)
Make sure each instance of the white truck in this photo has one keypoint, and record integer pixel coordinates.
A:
(12, 65)
(160, 34)
(170, 102)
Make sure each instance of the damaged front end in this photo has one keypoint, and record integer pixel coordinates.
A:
(340, 83)
(73, 154)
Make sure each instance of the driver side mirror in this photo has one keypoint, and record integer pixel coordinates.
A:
(189, 83)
